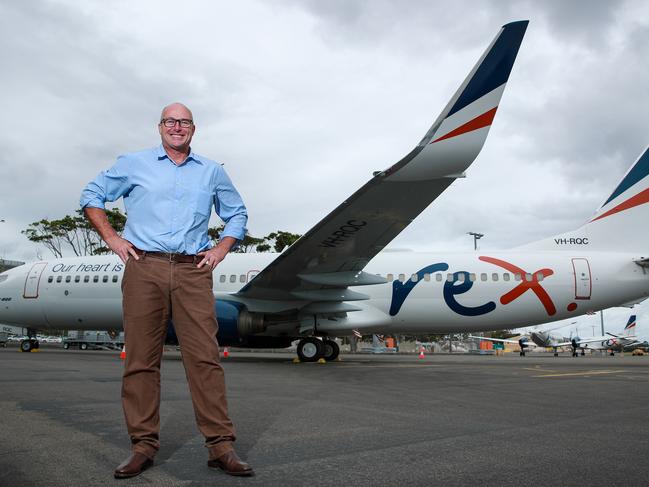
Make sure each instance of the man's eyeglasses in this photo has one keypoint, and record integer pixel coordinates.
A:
(171, 122)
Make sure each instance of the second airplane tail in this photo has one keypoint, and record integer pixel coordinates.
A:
(619, 224)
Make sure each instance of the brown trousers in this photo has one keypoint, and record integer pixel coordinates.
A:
(155, 290)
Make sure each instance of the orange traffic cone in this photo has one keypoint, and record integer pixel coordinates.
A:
(122, 354)
(421, 353)
(226, 353)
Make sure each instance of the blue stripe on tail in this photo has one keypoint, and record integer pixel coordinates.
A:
(639, 171)
(496, 66)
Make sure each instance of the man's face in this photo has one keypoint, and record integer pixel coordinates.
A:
(177, 138)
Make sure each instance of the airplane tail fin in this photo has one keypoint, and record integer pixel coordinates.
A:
(629, 329)
(619, 224)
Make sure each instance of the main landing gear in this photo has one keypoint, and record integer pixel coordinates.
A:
(29, 345)
(312, 349)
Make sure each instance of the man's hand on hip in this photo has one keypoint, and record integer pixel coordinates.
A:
(215, 255)
(122, 247)
(212, 257)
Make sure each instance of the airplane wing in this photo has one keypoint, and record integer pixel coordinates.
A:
(502, 340)
(582, 341)
(317, 270)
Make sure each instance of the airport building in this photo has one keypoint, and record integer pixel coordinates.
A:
(9, 264)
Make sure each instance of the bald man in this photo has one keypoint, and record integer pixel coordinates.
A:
(169, 193)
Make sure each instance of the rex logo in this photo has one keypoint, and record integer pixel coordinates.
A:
(461, 284)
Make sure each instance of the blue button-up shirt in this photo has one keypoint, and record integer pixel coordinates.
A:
(168, 206)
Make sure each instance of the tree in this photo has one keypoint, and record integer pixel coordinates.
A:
(75, 232)
(282, 239)
(277, 240)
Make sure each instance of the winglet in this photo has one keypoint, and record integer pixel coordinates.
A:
(495, 66)
(457, 136)
(490, 72)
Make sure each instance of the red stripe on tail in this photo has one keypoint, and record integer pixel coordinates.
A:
(637, 200)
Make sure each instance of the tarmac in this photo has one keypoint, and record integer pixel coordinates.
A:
(368, 420)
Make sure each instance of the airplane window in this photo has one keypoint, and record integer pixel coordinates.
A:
(242, 278)
(506, 277)
(528, 277)
(50, 279)
(461, 277)
(222, 278)
(95, 278)
(472, 277)
(483, 277)
(390, 277)
(426, 277)
(414, 278)
(105, 279)
(539, 276)
(86, 278)
(77, 278)
(68, 278)
(494, 277)
(402, 277)
(115, 278)
(438, 277)
(449, 277)
(517, 276)
(233, 278)
(58, 279)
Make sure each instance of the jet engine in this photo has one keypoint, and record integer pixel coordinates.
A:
(237, 327)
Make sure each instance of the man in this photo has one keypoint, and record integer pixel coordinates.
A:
(169, 193)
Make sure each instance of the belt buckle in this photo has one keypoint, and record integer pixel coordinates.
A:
(172, 257)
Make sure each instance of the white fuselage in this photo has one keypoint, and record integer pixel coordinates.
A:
(493, 290)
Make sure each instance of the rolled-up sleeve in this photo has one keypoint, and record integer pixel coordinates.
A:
(109, 185)
(230, 208)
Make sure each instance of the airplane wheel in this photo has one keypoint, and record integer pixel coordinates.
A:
(310, 349)
(26, 346)
(331, 350)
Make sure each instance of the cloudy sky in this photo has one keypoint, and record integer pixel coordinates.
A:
(302, 100)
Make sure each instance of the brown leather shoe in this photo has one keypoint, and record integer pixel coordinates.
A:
(231, 464)
(132, 466)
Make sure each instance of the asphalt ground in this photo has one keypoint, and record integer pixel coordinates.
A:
(368, 420)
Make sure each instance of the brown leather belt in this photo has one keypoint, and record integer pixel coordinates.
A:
(170, 257)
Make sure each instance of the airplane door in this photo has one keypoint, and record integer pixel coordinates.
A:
(33, 279)
(583, 285)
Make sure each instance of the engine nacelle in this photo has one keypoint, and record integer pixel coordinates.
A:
(237, 328)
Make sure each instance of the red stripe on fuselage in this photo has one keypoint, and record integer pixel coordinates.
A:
(480, 121)
(637, 200)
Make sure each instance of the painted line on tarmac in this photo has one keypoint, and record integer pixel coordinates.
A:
(582, 374)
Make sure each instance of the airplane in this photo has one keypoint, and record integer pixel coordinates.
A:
(613, 342)
(305, 293)
(545, 339)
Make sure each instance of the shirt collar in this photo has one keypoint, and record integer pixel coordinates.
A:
(162, 154)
